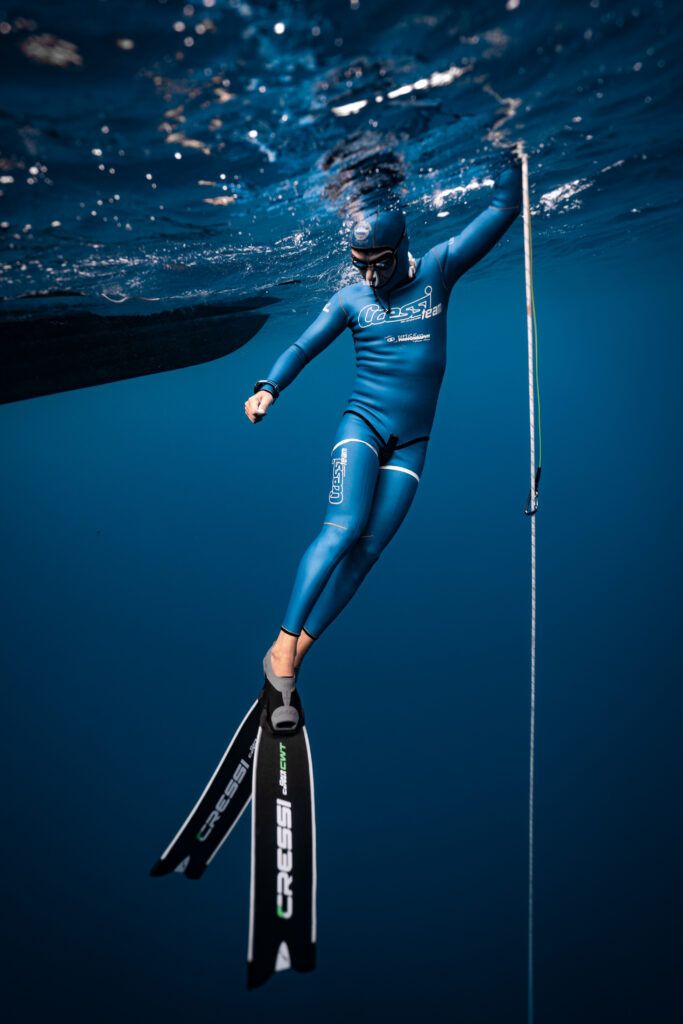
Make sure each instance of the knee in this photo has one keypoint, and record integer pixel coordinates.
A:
(343, 534)
(339, 539)
(367, 550)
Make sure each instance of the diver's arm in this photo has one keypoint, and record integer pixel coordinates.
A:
(462, 251)
(315, 339)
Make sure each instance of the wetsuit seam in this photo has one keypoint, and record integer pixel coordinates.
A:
(343, 309)
(443, 275)
(404, 444)
(367, 422)
(301, 352)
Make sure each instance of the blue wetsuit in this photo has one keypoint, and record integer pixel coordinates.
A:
(399, 334)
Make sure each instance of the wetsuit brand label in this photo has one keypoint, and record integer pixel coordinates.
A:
(226, 796)
(393, 338)
(415, 309)
(285, 860)
(338, 474)
(361, 231)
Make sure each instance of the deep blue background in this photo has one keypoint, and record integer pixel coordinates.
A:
(150, 533)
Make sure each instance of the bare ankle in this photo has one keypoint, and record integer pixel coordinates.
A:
(283, 652)
(304, 644)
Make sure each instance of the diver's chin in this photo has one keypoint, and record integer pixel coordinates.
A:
(378, 281)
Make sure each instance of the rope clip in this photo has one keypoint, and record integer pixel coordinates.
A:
(531, 507)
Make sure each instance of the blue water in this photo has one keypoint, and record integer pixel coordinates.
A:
(151, 533)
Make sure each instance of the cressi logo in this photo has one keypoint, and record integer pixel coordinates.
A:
(338, 472)
(283, 826)
(285, 894)
(420, 308)
(226, 796)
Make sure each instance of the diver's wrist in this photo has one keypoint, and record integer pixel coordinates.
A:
(267, 385)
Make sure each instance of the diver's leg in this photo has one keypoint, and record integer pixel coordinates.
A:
(355, 468)
(394, 494)
(305, 641)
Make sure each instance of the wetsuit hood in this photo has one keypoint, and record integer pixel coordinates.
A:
(385, 229)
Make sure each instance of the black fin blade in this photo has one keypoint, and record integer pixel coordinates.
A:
(162, 867)
(282, 921)
(218, 809)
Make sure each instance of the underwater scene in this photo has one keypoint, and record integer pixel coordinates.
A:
(180, 186)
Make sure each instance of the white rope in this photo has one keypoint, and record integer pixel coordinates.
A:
(532, 518)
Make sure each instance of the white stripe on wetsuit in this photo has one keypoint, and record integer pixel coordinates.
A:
(399, 469)
(359, 440)
(402, 469)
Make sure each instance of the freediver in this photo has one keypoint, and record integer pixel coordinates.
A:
(397, 317)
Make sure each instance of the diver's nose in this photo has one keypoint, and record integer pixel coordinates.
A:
(369, 275)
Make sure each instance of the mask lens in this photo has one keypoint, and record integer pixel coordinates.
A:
(383, 264)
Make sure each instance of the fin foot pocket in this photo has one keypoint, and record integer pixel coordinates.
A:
(282, 710)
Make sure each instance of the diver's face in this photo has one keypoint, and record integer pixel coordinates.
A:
(376, 265)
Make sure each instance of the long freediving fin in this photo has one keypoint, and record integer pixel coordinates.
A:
(282, 912)
(219, 807)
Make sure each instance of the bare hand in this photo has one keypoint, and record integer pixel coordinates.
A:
(256, 407)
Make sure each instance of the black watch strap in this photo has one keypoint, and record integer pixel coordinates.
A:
(271, 386)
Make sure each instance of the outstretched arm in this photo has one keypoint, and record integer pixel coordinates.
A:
(462, 251)
(315, 339)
